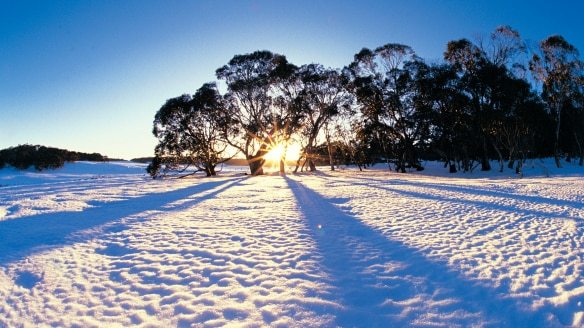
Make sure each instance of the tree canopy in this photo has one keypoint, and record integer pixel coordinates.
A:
(489, 99)
(191, 130)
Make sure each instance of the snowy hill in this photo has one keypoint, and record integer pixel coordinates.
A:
(103, 245)
(70, 171)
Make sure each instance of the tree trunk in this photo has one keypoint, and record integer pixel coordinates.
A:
(485, 165)
(511, 160)
(385, 153)
(309, 158)
(282, 167)
(557, 141)
(256, 162)
(580, 150)
(330, 151)
(298, 162)
(210, 170)
(519, 168)
(452, 167)
(311, 165)
(256, 167)
(501, 161)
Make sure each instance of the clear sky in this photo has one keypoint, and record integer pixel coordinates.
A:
(89, 75)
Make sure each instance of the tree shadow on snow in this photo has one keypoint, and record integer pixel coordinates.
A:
(381, 283)
(65, 186)
(481, 192)
(526, 213)
(25, 236)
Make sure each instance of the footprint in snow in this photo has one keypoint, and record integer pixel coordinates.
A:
(237, 238)
(27, 279)
(116, 228)
(115, 250)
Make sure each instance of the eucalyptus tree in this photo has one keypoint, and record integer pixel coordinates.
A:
(518, 120)
(288, 107)
(505, 47)
(381, 86)
(352, 142)
(579, 123)
(323, 96)
(252, 102)
(189, 131)
(485, 71)
(440, 97)
(472, 66)
(559, 69)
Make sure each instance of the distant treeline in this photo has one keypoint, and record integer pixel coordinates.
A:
(41, 157)
(231, 161)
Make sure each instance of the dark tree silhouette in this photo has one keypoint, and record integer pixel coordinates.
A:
(250, 80)
(474, 69)
(381, 82)
(190, 130)
(387, 104)
(440, 96)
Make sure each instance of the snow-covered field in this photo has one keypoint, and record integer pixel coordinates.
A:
(101, 244)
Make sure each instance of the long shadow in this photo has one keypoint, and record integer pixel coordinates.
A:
(525, 213)
(481, 192)
(378, 281)
(319, 173)
(77, 185)
(22, 237)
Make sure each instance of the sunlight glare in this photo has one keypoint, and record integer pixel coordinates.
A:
(276, 152)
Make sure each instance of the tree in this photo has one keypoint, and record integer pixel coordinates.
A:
(439, 96)
(381, 83)
(472, 65)
(572, 130)
(353, 143)
(559, 69)
(503, 48)
(288, 107)
(514, 127)
(190, 130)
(257, 119)
(323, 97)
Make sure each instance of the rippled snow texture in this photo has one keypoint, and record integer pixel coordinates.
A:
(323, 250)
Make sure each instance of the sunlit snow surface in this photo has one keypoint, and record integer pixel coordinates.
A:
(104, 245)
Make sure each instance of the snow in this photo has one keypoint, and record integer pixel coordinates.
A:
(102, 244)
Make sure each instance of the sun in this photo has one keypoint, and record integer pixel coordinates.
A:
(290, 151)
(275, 153)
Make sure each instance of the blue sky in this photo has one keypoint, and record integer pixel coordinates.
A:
(90, 75)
